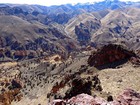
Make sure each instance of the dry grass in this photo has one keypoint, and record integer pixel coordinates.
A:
(8, 64)
(116, 80)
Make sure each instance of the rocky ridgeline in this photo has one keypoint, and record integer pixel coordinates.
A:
(72, 85)
(87, 90)
(128, 97)
(59, 79)
(110, 56)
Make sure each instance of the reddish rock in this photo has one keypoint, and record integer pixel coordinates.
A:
(84, 99)
(77, 85)
(20, 54)
(110, 54)
(57, 87)
(128, 97)
(62, 84)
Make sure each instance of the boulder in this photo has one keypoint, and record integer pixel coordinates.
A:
(85, 99)
(128, 97)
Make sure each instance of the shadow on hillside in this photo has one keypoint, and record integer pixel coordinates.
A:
(113, 65)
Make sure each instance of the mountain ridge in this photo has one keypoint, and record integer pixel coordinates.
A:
(59, 52)
(82, 24)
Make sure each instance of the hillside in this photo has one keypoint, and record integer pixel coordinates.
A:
(70, 54)
(21, 39)
(45, 80)
(40, 29)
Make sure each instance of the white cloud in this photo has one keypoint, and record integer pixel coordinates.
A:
(50, 2)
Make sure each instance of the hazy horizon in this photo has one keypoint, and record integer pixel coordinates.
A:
(53, 2)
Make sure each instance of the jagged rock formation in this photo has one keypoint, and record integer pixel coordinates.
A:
(75, 86)
(128, 97)
(110, 55)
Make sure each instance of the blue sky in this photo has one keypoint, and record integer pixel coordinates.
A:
(51, 2)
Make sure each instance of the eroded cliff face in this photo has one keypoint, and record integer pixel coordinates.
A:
(110, 56)
(20, 39)
(85, 30)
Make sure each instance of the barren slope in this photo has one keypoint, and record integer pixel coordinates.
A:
(116, 80)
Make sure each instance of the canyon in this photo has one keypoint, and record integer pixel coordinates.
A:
(82, 54)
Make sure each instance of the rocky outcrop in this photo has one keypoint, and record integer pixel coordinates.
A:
(84, 99)
(128, 97)
(6, 98)
(110, 56)
(10, 91)
(72, 86)
(78, 86)
(135, 61)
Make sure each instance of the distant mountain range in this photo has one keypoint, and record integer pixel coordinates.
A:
(28, 31)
